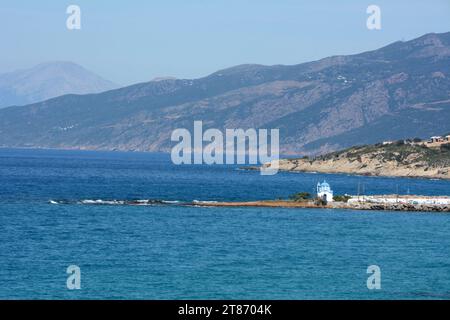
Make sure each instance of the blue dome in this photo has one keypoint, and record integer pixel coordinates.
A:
(323, 187)
(325, 184)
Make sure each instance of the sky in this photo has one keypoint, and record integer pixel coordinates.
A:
(137, 40)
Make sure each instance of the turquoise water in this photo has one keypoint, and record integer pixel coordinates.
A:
(174, 252)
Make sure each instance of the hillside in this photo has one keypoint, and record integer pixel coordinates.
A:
(396, 160)
(48, 80)
(395, 92)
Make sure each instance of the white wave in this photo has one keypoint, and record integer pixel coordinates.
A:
(139, 202)
(170, 202)
(104, 202)
(198, 201)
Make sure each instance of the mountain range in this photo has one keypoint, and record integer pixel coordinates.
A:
(49, 80)
(398, 91)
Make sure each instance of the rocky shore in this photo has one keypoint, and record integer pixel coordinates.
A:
(333, 205)
(400, 207)
(394, 160)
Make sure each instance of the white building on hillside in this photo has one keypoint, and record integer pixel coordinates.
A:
(437, 139)
(324, 191)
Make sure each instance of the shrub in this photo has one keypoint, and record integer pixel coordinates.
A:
(340, 198)
(301, 196)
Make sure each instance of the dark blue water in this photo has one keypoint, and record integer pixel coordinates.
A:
(174, 252)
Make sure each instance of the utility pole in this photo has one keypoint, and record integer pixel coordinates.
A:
(363, 190)
(359, 185)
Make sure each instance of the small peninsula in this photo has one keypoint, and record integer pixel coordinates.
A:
(404, 158)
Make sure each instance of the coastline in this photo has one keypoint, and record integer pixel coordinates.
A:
(353, 204)
(356, 173)
(333, 205)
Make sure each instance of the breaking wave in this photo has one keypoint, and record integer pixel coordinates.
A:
(145, 202)
(198, 201)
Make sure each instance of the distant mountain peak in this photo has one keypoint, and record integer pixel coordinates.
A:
(58, 63)
(239, 69)
(157, 79)
(48, 80)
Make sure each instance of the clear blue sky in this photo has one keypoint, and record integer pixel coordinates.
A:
(136, 40)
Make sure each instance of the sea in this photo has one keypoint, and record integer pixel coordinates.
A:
(64, 208)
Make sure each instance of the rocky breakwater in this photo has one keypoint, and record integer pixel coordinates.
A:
(398, 207)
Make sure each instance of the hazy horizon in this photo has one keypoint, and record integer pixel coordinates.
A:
(128, 45)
